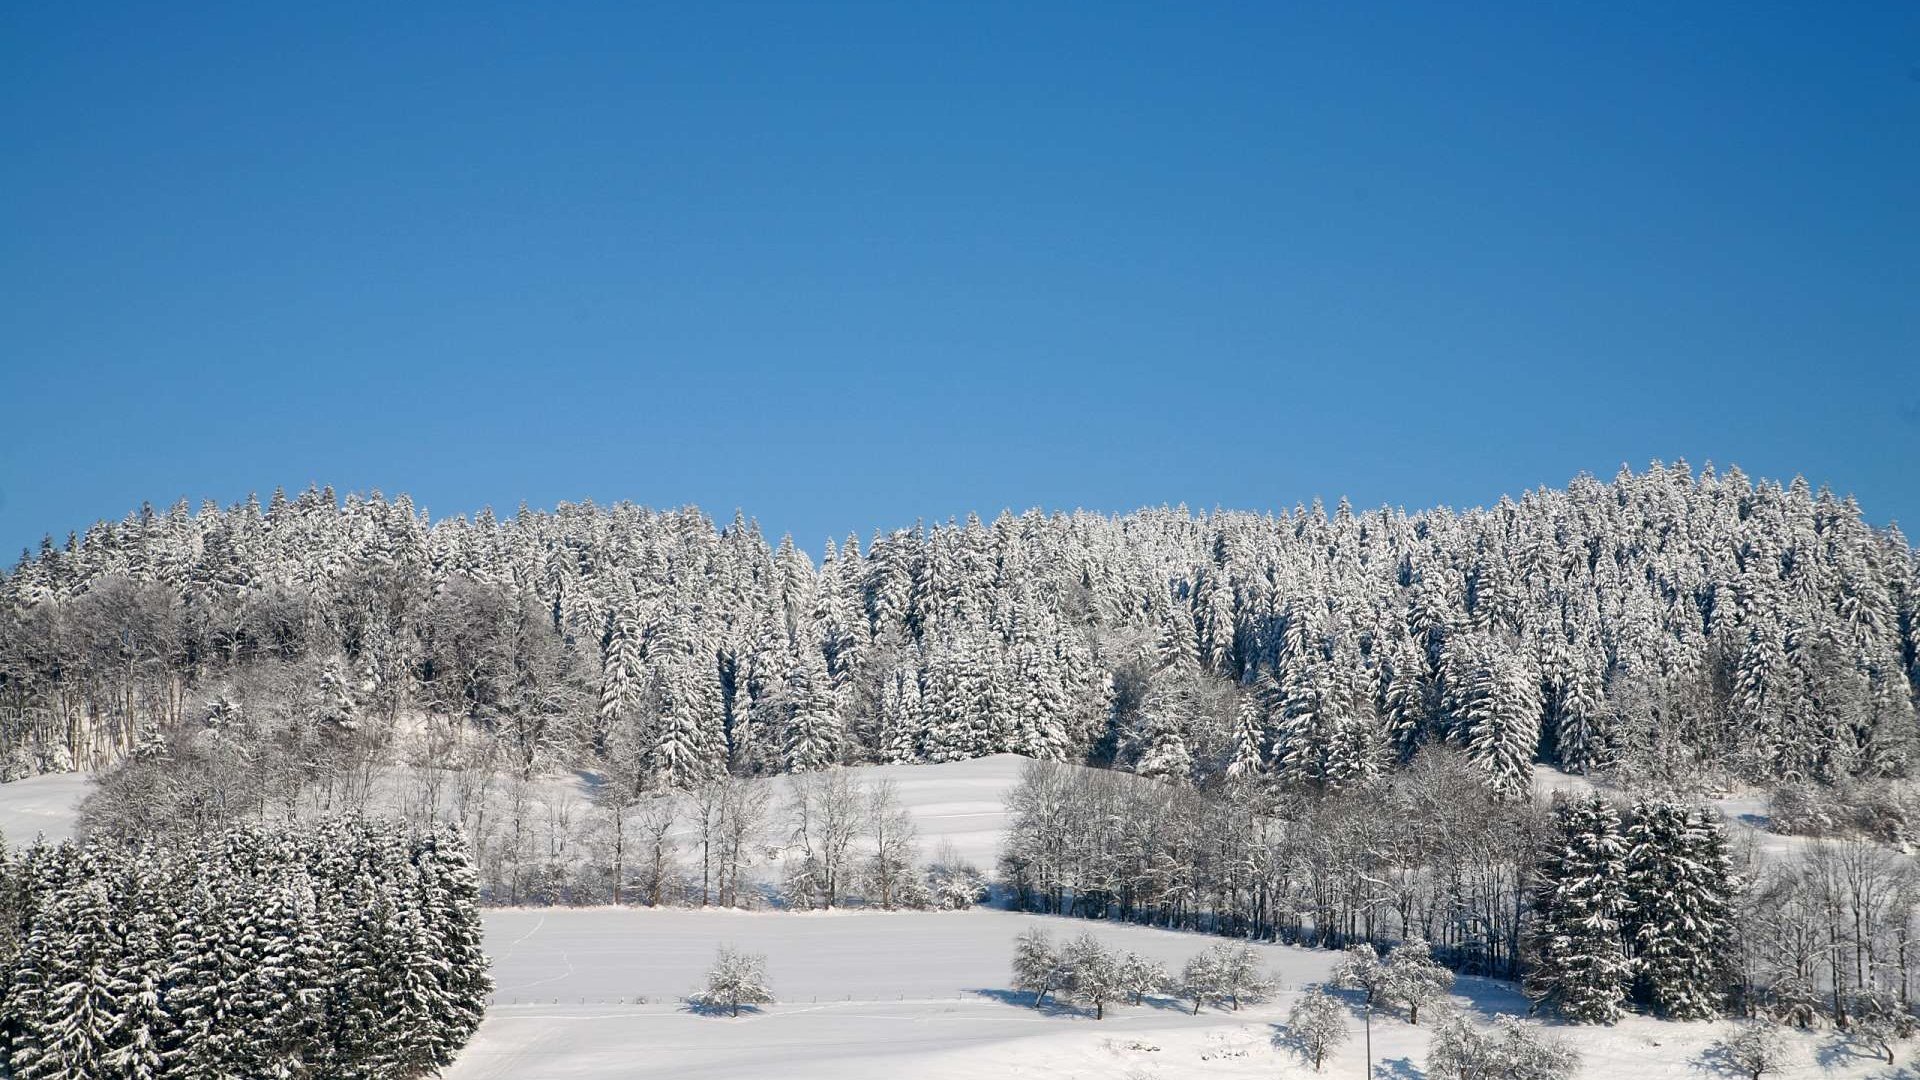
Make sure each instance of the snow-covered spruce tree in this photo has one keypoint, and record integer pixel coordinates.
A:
(1680, 887)
(450, 915)
(1579, 959)
(1325, 733)
(1497, 718)
(619, 678)
(266, 951)
(74, 1035)
(735, 979)
(1247, 753)
(1575, 705)
(141, 1026)
(814, 729)
(1157, 743)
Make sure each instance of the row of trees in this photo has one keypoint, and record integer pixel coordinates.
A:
(1511, 1049)
(1228, 975)
(1596, 906)
(1087, 970)
(1668, 624)
(340, 949)
(1425, 853)
(555, 841)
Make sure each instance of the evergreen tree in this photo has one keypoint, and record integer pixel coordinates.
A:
(1580, 901)
(1679, 889)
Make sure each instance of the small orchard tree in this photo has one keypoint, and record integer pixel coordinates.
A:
(1753, 1050)
(1317, 1024)
(1227, 974)
(1037, 966)
(1362, 969)
(1140, 976)
(1200, 980)
(1414, 979)
(1241, 975)
(1093, 974)
(736, 979)
(1511, 1050)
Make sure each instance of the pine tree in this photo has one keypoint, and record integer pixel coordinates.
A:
(1247, 749)
(1580, 900)
(140, 1027)
(1680, 888)
(1155, 743)
(619, 677)
(813, 727)
(1499, 720)
(77, 1030)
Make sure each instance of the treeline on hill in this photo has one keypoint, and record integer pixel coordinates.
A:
(1595, 906)
(1676, 626)
(333, 949)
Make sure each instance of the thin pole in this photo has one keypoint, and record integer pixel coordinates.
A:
(1368, 1013)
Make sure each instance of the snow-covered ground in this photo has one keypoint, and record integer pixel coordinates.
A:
(41, 805)
(592, 995)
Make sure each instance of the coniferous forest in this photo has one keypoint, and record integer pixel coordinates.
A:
(1682, 628)
(340, 949)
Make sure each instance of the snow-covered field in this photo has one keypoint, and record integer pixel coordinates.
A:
(41, 805)
(591, 995)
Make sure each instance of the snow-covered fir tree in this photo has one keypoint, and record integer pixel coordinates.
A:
(1581, 968)
(1680, 888)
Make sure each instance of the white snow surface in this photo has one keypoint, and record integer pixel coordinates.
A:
(41, 805)
(593, 995)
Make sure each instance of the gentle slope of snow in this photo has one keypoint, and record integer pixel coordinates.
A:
(41, 805)
(882, 996)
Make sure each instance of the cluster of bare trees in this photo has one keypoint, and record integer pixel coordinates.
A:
(1098, 975)
(1828, 934)
(1425, 853)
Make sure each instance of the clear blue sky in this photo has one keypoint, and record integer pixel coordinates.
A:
(848, 266)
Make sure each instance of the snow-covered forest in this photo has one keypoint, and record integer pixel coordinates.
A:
(1681, 628)
(342, 949)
